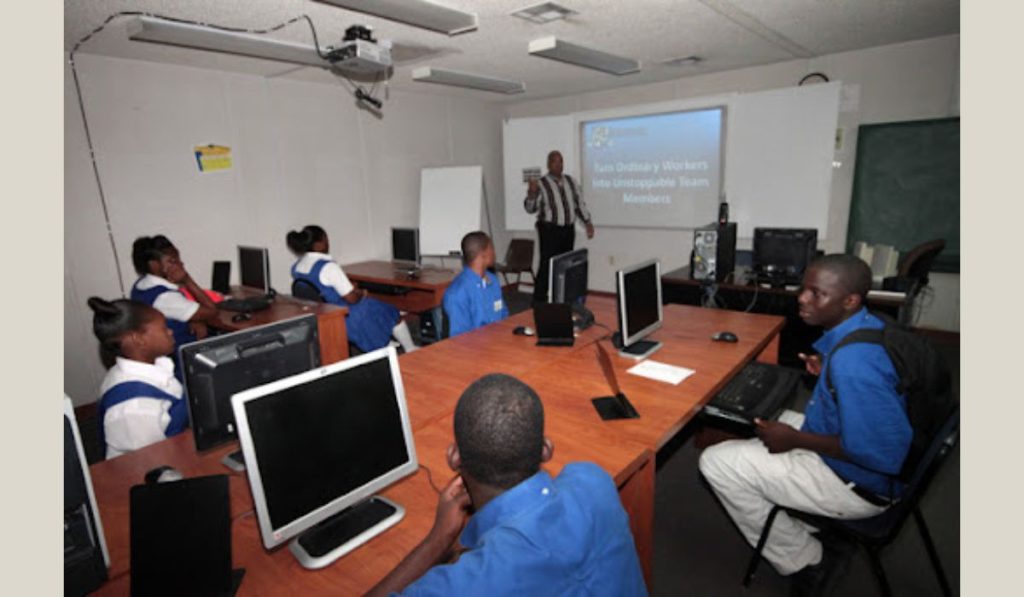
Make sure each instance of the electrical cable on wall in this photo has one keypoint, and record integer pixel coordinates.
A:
(364, 98)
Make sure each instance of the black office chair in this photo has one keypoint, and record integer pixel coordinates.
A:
(306, 290)
(518, 260)
(912, 275)
(877, 532)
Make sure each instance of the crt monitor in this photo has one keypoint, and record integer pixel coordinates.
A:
(318, 446)
(784, 253)
(405, 246)
(638, 290)
(254, 263)
(220, 366)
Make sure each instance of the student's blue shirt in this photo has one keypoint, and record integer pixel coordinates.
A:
(563, 536)
(471, 302)
(868, 414)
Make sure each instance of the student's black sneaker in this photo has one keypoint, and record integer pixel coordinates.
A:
(823, 577)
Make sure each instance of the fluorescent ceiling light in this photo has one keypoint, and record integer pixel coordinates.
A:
(429, 74)
(556, 49)
(419, 13)
(545, 12)
(207, 38)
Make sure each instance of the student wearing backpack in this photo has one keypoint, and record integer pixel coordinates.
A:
(842, 457)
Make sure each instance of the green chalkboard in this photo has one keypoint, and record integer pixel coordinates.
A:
(906, 187)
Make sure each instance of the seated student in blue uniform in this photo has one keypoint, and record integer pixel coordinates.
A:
(141, 401)
(162, 274)
(529, 534)
(474, 297)
(370, 323)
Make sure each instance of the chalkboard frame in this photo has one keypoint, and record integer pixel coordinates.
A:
(861, 226)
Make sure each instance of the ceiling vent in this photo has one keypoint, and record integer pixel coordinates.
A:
(545, 12)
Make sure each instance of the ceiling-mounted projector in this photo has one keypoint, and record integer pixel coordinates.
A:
(360, 53)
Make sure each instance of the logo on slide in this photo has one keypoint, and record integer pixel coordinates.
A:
(599, 138)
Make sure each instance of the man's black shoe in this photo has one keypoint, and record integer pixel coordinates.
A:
(822, 578)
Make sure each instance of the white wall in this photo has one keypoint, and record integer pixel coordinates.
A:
(303, 153)
(910, 81)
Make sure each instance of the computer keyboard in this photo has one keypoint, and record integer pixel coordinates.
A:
(759, 390)
(246, 305)
(384, 288)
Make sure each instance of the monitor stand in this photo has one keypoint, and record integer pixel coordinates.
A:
(322, 544)
(640, 349)
(582, 317)
(234, 461)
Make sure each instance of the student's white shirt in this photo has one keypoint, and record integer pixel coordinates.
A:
(330, 275)
(173, 305)
(136, 423)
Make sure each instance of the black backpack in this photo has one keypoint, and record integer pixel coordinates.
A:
(924, 380)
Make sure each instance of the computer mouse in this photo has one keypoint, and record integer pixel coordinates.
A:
(241, 317)
(163, 474)
(523, 331)
(725, 337)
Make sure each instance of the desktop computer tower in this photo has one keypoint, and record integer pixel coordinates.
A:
(714, 252)
(85, 550)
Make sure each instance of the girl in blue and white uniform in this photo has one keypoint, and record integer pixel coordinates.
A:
(370, 323)
(141, 401)
(162, 272)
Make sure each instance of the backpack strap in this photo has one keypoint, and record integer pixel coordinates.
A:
(866, 335)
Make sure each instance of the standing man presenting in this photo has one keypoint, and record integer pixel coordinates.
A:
(558, 201)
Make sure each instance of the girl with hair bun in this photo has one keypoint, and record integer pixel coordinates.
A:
(370, 323)
(162, 276)
(140, 400)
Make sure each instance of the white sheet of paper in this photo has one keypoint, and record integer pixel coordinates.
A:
(661, 372)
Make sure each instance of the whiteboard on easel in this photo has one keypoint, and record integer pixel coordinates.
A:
(450, 204)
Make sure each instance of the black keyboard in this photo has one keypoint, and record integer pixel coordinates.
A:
(759, 390)
(384, 288)
(246, 305)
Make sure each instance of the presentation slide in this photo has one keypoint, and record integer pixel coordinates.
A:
(657, 170)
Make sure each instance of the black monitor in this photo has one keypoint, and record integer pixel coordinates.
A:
(254, 263)
(405, 246)
(638, 290)
(567, 283)
(782, 254)
(319, 445)
(218, 367)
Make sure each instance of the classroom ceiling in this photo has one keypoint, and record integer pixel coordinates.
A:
(726, 34)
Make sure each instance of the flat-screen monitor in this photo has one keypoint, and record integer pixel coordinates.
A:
(318, 445)
(254, 263)
(568, 278)
(784, 253)
(638, 290)
(405, 246)
(220, 366)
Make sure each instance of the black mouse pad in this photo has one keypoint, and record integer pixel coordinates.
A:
(615, 407)
(181, 538)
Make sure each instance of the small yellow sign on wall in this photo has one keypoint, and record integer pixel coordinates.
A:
(211, 157)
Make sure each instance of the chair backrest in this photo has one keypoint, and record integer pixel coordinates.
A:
(918, 261)
(938, 450)
(305, 290)
(520, 254)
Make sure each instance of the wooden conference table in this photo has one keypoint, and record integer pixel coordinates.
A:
(434, 378)
(330, 320)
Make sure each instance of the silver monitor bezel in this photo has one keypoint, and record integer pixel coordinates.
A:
(266, 266)
(620, 290)
(273, 537)
(551, 269)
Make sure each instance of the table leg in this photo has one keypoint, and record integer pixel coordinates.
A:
(637, 495)
(333, 337)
